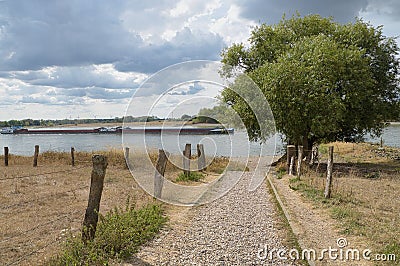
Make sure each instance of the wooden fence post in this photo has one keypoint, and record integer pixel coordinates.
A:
(159, 174)
(201, 157)
(299, 160)
(329, 170)
(35, 156)
(291, 151)
(127, 156)
(5, 156)
(187, 153)
(314, 155)
(96, 189)
(291, 166)
(72, 156)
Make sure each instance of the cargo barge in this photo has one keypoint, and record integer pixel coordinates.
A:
(120, 130)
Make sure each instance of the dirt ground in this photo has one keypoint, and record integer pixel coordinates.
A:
(364, 208)
(38, 210)
(313, 227)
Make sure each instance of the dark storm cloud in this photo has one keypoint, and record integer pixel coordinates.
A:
(38, 34)
(271, 11)
(186, 45)
(389, 8)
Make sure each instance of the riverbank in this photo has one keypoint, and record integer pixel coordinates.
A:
(364, 208)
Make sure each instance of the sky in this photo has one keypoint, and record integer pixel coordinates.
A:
(86, 58)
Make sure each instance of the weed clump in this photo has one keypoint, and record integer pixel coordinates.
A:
(119, 235)
(193, 176)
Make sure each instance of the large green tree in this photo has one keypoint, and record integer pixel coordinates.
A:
(323, 80)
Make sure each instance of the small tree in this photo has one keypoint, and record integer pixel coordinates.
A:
(186, 117)
(324, 81)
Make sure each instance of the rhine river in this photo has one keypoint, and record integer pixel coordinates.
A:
(236, 145)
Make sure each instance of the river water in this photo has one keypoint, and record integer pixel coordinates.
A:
(220, 145)
(236, 145)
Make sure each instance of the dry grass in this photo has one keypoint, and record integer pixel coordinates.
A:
(39, 210)
(366, 198)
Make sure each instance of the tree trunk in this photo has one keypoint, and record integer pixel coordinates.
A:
(307, 148)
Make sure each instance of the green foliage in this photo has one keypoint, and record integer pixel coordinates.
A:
(119, 235)
(204, 119)
(324, 81)
(193, 176)
(186, 117)
(281, 171)
(349, 218)
(222, 114)
(323, 149)
(392, 248)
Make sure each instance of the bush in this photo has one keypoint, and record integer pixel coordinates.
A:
(119, 235)
(193, 176)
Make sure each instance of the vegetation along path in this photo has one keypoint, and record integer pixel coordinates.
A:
(228, 231)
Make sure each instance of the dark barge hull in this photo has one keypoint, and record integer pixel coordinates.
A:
(181, 131)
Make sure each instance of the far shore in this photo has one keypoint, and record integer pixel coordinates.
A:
(133, 124)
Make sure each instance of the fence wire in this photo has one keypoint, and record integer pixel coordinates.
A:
(26, 256)
(31, 230)
(47, 173)
(43, 198)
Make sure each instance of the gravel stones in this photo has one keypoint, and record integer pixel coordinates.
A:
(228, 231)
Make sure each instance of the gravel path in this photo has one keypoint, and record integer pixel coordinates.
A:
(228, 231)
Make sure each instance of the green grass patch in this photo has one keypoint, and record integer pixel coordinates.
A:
(392, 252)
(280, 172)
(349, 218)
(192, 176)
(323, 149)
(119, 235)
(339, 206)
(306, 190)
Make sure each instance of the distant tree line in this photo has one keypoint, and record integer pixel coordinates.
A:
(58, 122)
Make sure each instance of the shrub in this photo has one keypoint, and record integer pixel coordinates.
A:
(119, 235)
(193, 176)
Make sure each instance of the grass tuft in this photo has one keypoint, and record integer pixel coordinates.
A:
(193, 176)
(119, 234)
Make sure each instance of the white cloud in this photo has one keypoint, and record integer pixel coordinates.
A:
(386, 13)
(232, 27)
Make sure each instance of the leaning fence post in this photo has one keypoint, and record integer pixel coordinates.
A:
(35, 156)
(329, 170)
(5, 156)
(291, 150)
(72, 156)
(187, 153)
(201, 157)
(159, 174)
(299, 160)
(96, 188)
